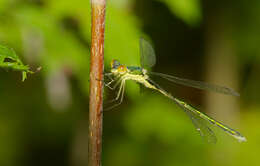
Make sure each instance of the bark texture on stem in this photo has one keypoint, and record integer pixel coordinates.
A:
(96, 84)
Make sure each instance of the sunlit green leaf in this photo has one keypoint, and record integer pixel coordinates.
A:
(188, 10)
(9, 60)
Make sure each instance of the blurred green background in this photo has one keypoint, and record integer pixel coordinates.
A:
(43, 121)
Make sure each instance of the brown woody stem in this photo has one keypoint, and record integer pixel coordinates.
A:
(96, 84)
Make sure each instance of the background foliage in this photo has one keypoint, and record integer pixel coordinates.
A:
(44, 120)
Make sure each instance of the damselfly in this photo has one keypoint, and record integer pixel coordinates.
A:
(121, 73)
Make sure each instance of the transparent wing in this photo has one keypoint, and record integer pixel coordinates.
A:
(205, 132)
(199, 119)
(147, 54)
(197, 84)
(199, 123)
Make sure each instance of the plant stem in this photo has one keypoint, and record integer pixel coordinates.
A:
(96, 84)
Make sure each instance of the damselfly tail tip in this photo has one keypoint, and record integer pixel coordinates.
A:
(241, 138)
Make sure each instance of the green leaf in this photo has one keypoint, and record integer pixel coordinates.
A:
(188, 10)
(9, 60)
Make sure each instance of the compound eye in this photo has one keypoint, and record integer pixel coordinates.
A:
(121, 68)
(114, 64)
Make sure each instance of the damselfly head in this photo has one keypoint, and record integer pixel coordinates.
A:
(114, 64)
(121, 69)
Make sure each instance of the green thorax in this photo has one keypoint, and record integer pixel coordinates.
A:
(135, 70)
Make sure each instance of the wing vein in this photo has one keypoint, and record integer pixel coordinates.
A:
(197, 84)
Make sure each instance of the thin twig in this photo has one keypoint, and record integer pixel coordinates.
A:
(96, 83)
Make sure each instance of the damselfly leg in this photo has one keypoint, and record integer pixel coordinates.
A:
(120, 95)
